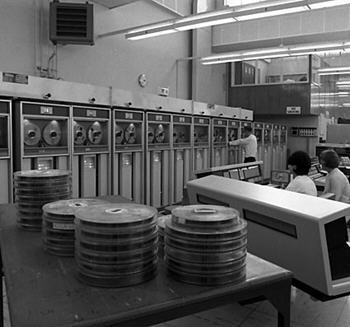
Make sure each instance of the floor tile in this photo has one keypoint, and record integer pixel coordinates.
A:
(233, 314)
(259, 319)
(345, 314)
(308, 312)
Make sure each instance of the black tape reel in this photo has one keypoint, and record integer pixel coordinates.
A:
(159, 134)
(79, 133)
(150, 134)
(52, 133)
(31, 132)
(130, 134)
(176, 135)
(119, 134)
(95, 133)
(195, 137)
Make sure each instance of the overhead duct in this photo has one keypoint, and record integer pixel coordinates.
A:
(110, 4)
(71, 23)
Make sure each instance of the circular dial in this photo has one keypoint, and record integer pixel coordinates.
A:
(142, 79)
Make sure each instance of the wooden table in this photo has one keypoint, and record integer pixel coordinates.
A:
(43, 290)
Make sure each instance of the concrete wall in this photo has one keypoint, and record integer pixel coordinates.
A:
(17, 37)
(24, 45)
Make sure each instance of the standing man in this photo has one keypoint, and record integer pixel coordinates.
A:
(249, 144)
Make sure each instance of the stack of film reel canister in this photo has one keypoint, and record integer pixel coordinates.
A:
(206, 245)
(116, 244)
(58, 227)
(33, 189)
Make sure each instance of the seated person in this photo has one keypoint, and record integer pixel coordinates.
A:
(299, 164)
(336, 181)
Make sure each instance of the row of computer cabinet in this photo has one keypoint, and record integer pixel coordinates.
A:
(145, 156)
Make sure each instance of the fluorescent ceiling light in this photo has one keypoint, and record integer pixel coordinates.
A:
(316, 46)
(330, 94)
(160, 25)
(145, 34)
(335, 73)
(241, 58)
(205, 24)
(333, 69)
(281, 55)
(346, 104)
(156, 29)
(344, 87)
(239, 55)
(346, 82)
(204, 15)
(218, 61)
(335, 52)
(327, 4)
(270, 13)
(279, 52)
(262, 51)
(254, 10)
(268, 4)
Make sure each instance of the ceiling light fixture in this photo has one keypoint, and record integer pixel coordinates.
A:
(344, 82)
(278, 52)
(334, 71)
(344, 72)
(327, 4)
(231, 14)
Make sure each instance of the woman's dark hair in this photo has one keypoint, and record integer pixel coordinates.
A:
(301, 160)
(247, 129)
(329, 159)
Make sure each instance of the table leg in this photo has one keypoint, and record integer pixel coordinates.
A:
(1, 295)
(279, 296)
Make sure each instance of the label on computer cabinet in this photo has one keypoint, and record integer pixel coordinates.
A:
(14, 78)
(90, 113)
(293, 110)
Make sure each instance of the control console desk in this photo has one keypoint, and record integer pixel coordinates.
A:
(299, 232)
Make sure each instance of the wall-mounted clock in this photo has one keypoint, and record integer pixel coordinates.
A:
(142, 79)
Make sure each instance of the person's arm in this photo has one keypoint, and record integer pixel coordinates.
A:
(240, 141)
(336, 188)
(292, 186)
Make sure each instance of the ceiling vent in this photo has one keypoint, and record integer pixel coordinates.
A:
(71, 23)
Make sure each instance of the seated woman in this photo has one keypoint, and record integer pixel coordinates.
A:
(336, 181)
(299, 164)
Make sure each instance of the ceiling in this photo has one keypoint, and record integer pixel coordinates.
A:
(113, 3)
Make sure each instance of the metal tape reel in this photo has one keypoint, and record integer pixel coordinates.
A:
(175, 136)
(150, 135)
(52, 133)
(130, 134)
(79, 133)
(32, 133)
(119, 134)
(159, 133)
(95, 133)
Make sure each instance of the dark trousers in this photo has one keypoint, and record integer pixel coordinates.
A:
(249, 159)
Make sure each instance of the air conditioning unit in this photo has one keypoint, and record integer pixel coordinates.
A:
(71, 23)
